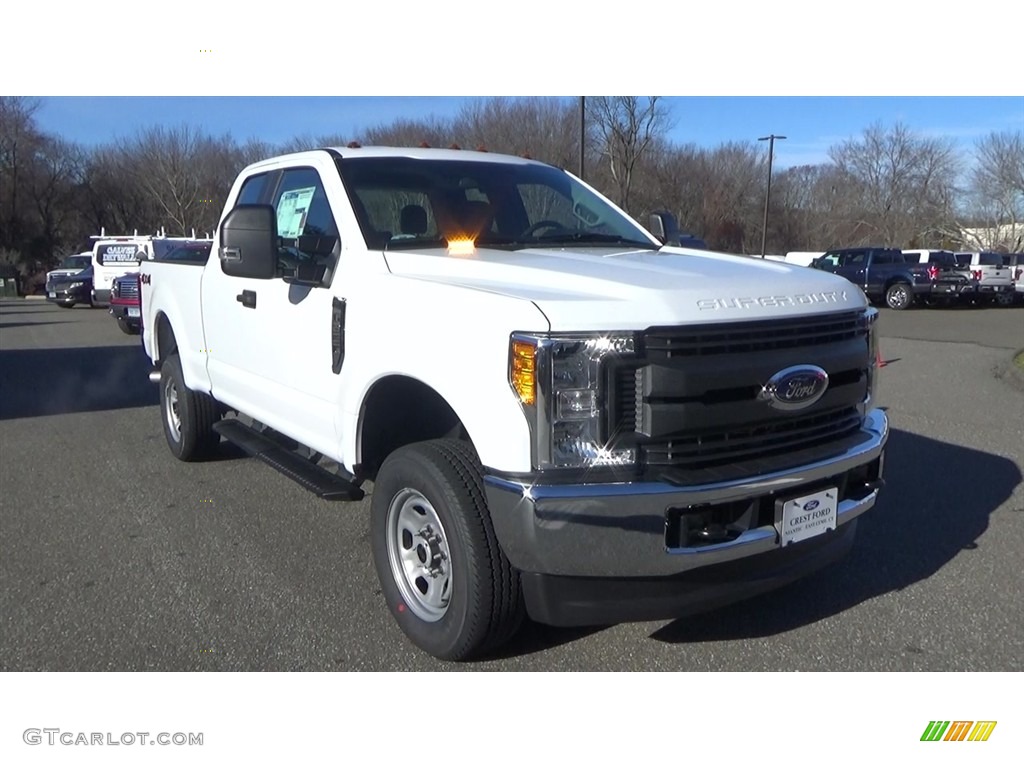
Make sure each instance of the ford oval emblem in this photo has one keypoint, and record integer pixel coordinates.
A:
(811, 505)
(794, 388)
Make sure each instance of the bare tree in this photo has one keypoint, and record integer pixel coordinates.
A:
(183, 172)
(997, 193)
(896, 185)
(626, 126)
(19, 141)
(545, 129)
(410, 133)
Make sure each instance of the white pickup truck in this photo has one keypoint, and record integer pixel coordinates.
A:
(560, 417)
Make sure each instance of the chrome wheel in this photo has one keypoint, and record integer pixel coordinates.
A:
(419, 555)
(171, 413)
(898, 296)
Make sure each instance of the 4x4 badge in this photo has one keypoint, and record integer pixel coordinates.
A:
(794, 388)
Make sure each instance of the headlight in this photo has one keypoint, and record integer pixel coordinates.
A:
(559, 383)
(75, 285)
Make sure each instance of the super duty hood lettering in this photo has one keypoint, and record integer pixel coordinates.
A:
(798, 299)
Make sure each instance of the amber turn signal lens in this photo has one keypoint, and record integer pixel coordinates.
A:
(524, 371)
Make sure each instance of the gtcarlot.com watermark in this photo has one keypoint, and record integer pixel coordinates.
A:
(56, 736)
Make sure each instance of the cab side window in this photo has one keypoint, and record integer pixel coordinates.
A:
(309, 235)
(252, 190)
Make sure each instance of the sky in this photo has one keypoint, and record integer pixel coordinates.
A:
(731, 72)
(811, 124)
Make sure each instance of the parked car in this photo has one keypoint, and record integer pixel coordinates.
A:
(66, 290)
(951, 281)
(71, 265)
(562, 417)
(884, 274)
(993, 277)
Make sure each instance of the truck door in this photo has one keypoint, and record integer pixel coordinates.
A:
(854, 267)
(270, 341)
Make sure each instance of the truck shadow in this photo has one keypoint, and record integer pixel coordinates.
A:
(48, 382)
(929, 512)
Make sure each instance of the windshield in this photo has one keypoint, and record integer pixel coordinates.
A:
(76, 262)
(404, 202)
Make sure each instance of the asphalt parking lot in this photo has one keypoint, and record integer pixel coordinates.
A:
(114, 556)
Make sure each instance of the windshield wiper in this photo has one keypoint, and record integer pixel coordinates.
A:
(593, 237)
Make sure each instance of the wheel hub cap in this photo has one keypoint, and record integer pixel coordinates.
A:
(171, 409)
(418, 554)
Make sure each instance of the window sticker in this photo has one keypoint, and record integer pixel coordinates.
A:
(292, 210)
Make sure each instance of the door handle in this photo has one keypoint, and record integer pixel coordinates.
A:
(247, 299)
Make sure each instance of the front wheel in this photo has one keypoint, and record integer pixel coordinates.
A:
(445, 579)
(898, 296)
(188, 416)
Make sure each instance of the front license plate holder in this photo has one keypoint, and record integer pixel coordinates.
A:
(804, 517)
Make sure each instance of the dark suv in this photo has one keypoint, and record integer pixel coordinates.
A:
(884, 274)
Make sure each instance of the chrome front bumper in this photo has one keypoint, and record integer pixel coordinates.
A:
(618, 529)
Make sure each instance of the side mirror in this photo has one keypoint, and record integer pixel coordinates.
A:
(248, 242)
(665, 227)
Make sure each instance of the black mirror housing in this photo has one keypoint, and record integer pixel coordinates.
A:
(665, 227)
(248, 242)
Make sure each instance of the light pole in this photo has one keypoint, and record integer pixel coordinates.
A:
(583, 130)
(768, 192)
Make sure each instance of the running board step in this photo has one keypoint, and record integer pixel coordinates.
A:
(312, 477)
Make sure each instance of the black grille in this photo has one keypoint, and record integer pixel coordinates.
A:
(690, 401)
(738, 338)
(745, 443)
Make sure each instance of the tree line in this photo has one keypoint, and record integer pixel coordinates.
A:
(888, 185)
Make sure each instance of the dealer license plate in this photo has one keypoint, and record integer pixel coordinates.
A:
(808, 516)
(133, 311)
(53, 295)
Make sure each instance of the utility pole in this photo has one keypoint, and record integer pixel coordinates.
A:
(768, 192)
(583, 131)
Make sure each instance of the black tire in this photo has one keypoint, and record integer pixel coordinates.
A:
(126, 327)
(899, 296)
(484, 606)
(189, 414)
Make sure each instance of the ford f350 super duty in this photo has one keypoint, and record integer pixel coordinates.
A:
(561, 418)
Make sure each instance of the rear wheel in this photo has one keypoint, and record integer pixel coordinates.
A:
(898, 296)
(188, 416)
(445, 579)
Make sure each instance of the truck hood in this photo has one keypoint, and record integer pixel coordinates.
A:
(597, 289)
